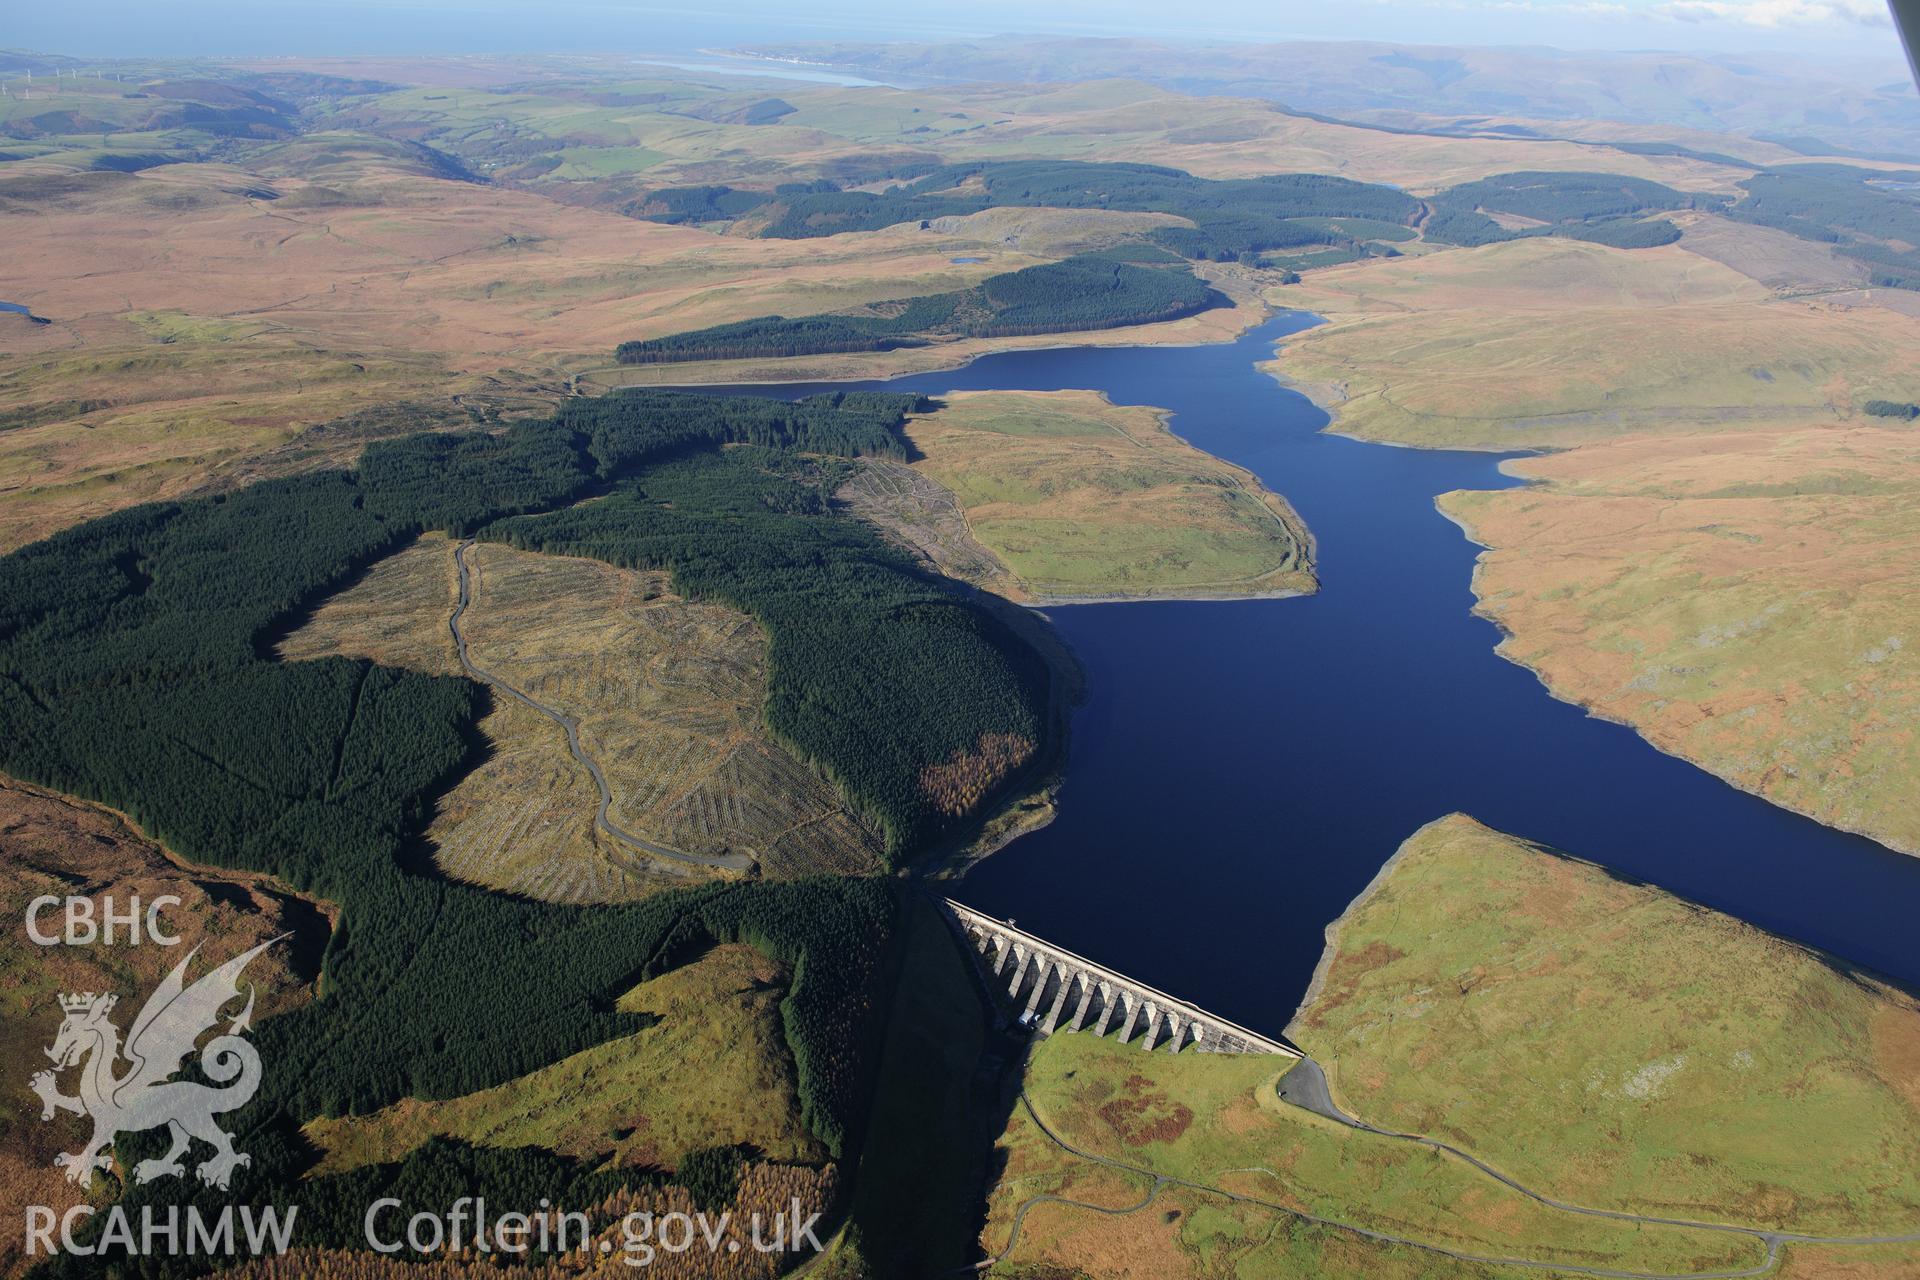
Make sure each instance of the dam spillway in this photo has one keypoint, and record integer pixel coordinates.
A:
(1049, 989)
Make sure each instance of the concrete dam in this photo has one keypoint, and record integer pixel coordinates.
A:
(1051, 989)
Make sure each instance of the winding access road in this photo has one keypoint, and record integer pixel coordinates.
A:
(1311, 1093)
(571, 726)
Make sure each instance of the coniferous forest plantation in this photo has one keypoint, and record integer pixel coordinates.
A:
(1083, 293)
(135, 671)
(1061, 653)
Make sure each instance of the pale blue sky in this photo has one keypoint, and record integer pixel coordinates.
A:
(123, 27)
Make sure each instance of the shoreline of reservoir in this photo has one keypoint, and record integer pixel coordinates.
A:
(1242, 768)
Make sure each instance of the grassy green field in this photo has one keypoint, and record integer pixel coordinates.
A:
(1082, 498)
(1598, 1040)
(601, 162)
(1215, 1120)
(1611, 1045)
(714, 1071)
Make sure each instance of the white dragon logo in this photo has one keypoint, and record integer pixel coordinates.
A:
(161, 1038)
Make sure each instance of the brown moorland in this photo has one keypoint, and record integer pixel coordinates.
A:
(1547, 342)
(1744, 600)
(689, 138)
(55, 846)
(1722, 562)
(199, 331)
(215, 322)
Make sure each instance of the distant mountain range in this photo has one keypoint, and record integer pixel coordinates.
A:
(1864, 106)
